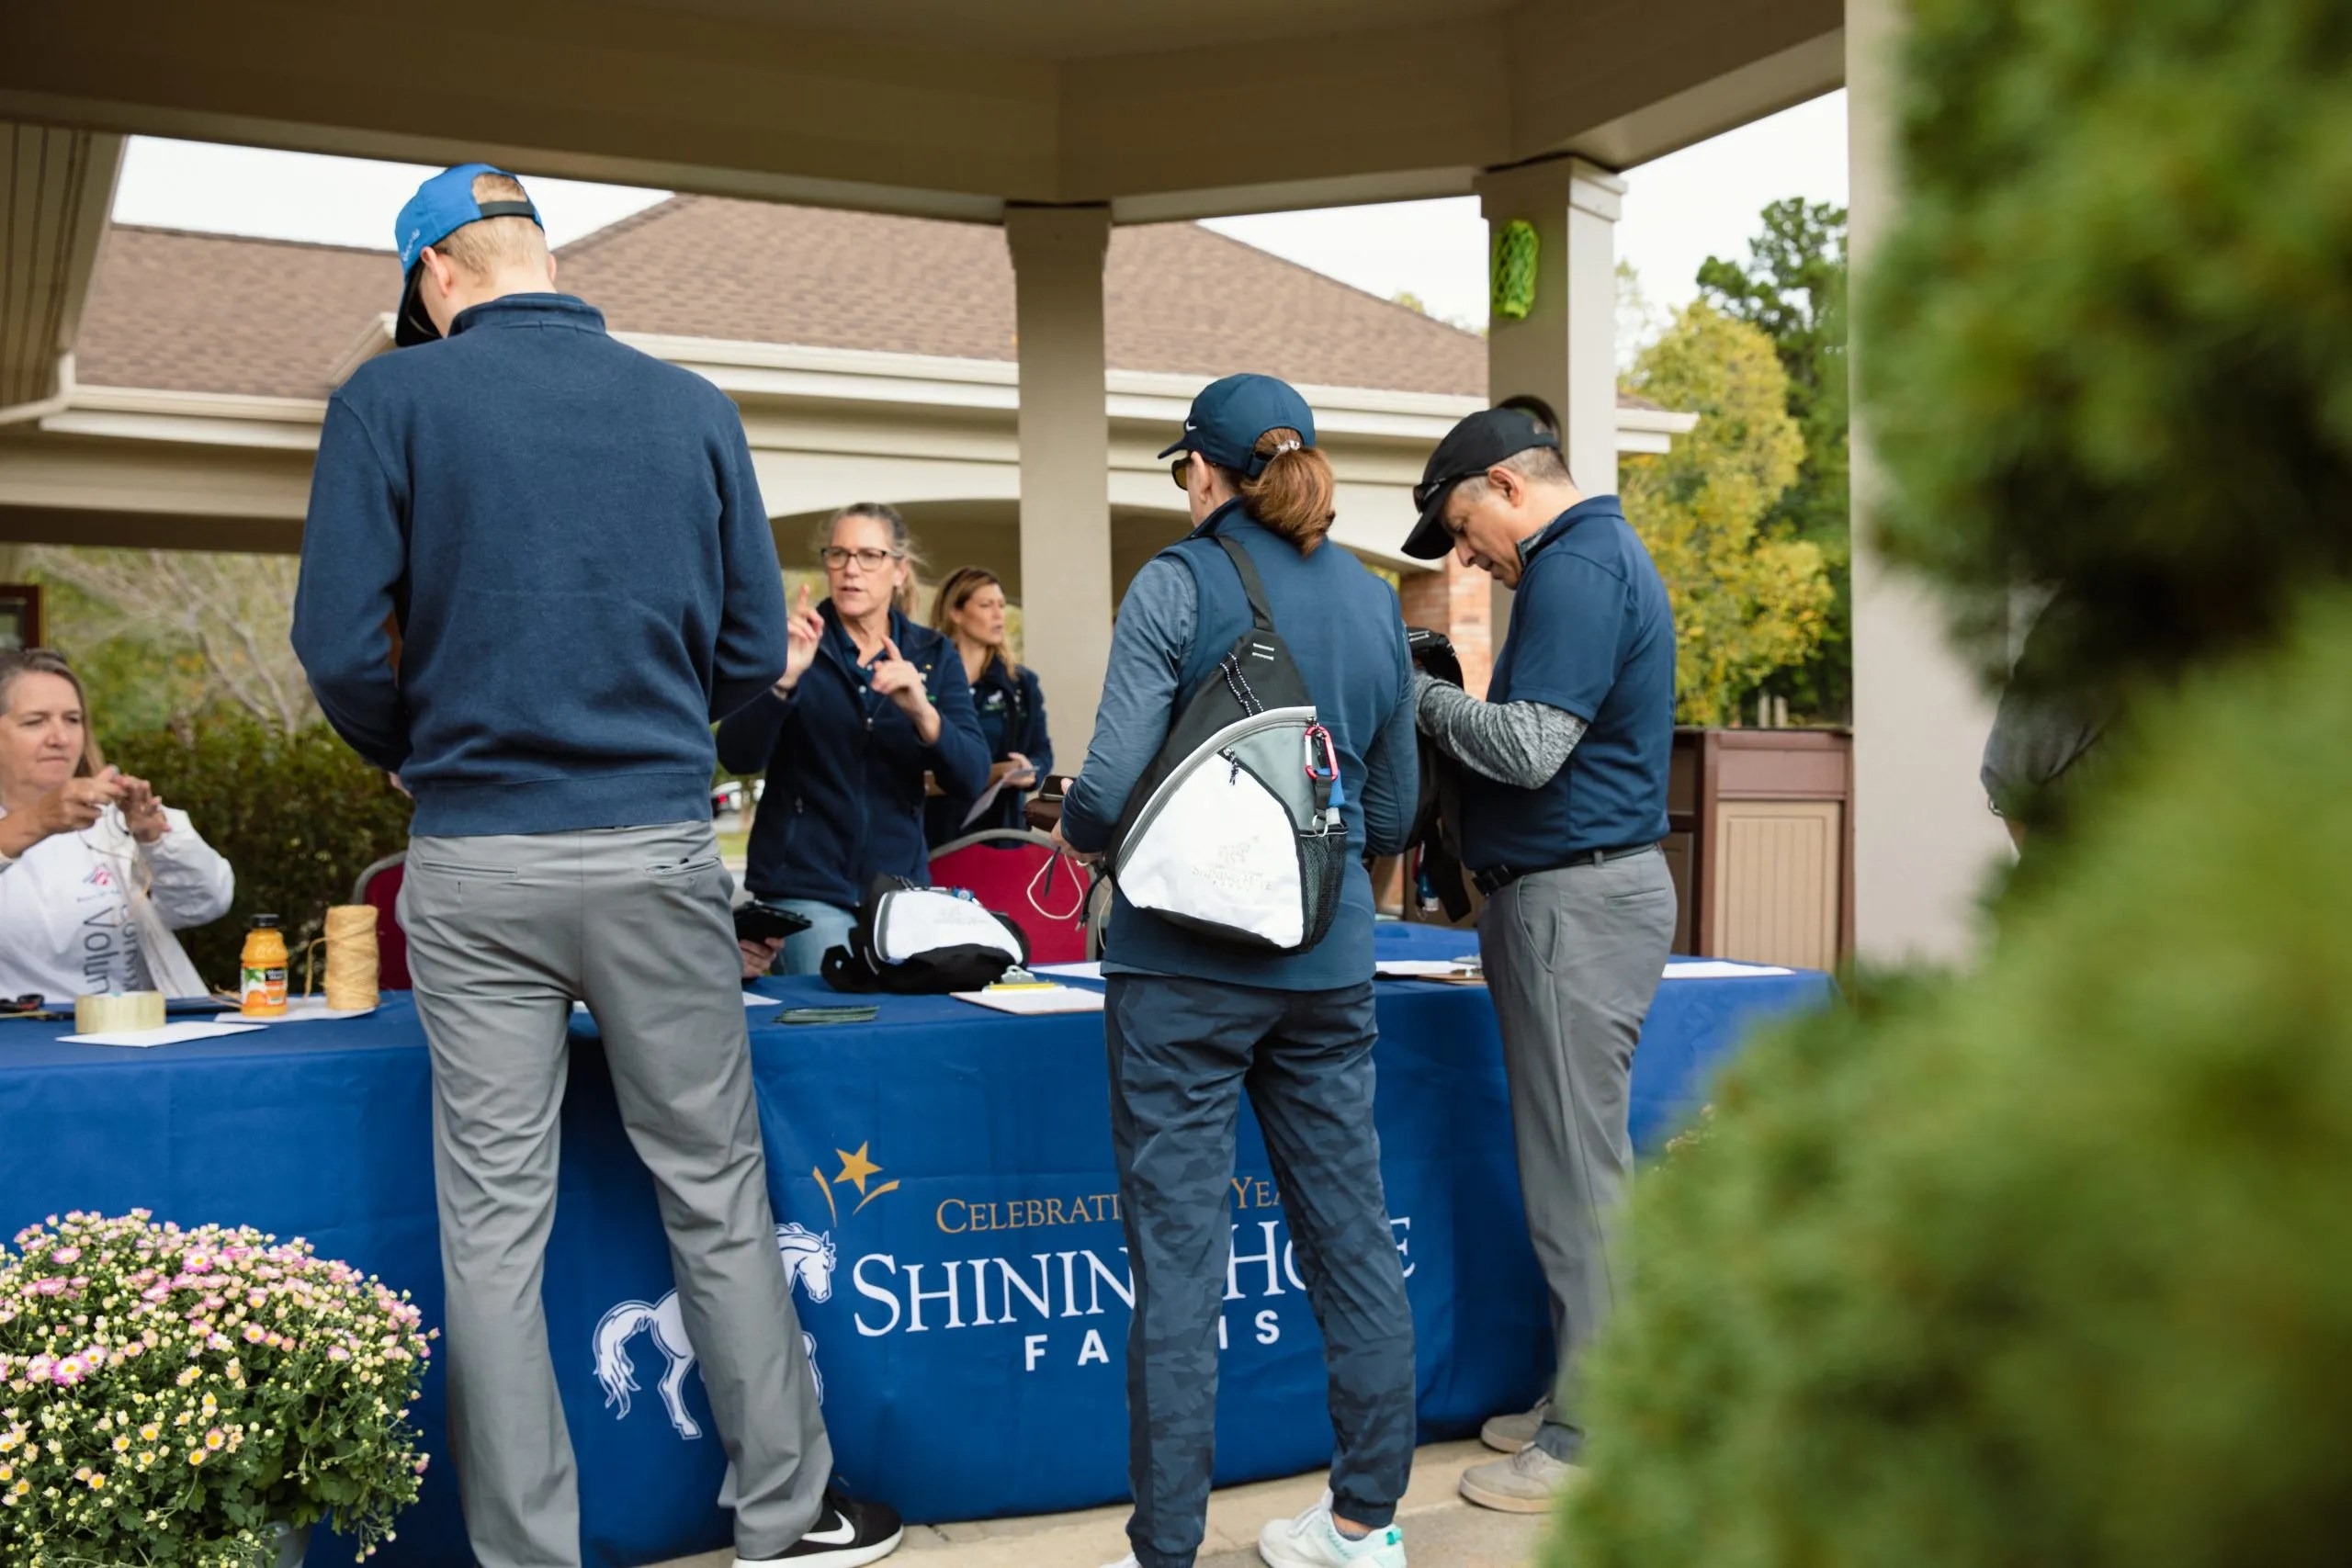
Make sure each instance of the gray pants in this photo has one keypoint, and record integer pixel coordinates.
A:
(1573, 958)
(503, 933)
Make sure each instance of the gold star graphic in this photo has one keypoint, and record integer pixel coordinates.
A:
(856, 1167)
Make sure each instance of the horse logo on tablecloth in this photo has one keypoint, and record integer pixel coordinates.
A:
(808, 1260)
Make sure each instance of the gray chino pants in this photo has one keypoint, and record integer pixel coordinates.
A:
(503, 932)
(1573, 958)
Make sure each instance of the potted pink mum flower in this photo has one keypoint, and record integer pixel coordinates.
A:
(197, 1399)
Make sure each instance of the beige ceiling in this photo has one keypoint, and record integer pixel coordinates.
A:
(1082, 29)
(1161, 108)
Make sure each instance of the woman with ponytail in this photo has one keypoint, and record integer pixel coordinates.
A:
(1193, 1021)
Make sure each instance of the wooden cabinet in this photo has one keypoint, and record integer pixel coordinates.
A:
(1761, 844)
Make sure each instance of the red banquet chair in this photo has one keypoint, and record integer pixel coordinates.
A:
(379, 885)
(998, 867)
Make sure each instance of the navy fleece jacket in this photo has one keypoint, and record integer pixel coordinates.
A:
(844, 766)
(570, 539)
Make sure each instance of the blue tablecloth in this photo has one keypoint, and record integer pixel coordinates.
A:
(958, 1262)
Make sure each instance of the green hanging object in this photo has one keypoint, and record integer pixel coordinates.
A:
(1514, 268)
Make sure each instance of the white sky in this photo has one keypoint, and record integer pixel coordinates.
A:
(1679, 210)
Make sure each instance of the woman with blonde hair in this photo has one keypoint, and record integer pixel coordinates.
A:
(96, 871)
(870, 701)
(969, 608)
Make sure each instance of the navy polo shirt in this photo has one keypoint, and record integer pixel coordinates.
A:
(1591, 633)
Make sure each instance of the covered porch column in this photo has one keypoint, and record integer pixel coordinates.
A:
(1065, 431)
(1563, 351)
(1923, 838)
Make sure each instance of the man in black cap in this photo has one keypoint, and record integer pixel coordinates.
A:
(1564, 772)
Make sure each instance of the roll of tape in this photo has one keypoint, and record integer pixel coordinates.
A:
(121, 1013)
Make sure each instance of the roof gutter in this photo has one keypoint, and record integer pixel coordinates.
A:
(56, 402)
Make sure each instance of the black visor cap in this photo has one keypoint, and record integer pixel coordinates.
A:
(1476, 444)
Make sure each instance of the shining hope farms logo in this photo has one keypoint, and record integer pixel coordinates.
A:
(1042, 1282)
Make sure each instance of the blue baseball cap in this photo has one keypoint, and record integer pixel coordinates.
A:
(441, 205)
(1228, 416)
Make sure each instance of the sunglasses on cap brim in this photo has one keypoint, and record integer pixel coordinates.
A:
(1425, 493)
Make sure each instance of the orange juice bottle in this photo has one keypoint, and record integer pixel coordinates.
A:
(263, 989)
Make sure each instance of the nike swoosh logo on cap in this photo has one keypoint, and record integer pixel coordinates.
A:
(840, 1535)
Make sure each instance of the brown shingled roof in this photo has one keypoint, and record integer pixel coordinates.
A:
(216, 313)
(219, 313)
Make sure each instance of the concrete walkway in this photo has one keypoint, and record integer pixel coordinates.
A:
(1441, 1530)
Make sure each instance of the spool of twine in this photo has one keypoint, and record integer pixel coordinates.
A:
(351, 962)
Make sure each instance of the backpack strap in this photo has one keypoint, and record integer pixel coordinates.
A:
(1250, 584)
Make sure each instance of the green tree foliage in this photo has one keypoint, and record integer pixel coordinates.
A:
(2052, 1263)
(2051, 1266)
(1793, 286)
(1746, 603)
(2110, 346)
(162, 636)
(298, 816)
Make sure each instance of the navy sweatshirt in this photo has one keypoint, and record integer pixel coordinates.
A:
(569, 537)
(845, 796)
(1011, 708)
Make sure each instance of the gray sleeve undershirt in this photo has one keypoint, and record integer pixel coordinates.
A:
(1524, 744)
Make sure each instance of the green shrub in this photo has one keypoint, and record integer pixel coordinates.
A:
(2109, 343)
(299, 817)
(2050, 1266)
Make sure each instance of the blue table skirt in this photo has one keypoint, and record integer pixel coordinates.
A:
(967, 1294)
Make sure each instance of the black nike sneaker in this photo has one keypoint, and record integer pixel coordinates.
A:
(847, 1534)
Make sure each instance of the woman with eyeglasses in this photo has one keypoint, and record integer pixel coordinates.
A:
(96, 872)
(870, 701)
(969, 609)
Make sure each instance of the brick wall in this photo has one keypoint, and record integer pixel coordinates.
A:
(1458, 601)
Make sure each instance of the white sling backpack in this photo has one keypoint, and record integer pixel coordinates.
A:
(1235, 830)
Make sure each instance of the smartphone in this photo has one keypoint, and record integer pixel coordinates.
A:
(756, 922)
(1053, 787)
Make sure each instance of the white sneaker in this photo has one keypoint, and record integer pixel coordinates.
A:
(1126, 1561)
(1312, 1540)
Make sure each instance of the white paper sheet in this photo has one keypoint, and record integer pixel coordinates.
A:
(987, 802)
(169, 1034)
(1070, 971)
(1719, 969)
(751, 1000)
(1036, 1004)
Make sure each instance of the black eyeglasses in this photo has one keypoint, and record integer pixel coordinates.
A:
(1181, 471)
(836, 557)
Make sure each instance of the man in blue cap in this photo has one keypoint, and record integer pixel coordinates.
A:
(1563, 780)
(1192, 1023)
(565, 537)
